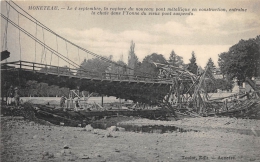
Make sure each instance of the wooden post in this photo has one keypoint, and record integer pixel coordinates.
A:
(46, 72)
(71, 99)
(226, 104)
(120, 105)
(102, 100)
(68, 107)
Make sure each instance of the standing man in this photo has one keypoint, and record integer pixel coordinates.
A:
(10, 95)
(76, 100)
(16, 96)
(62, 102)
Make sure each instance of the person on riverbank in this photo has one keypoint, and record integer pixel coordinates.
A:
(62, 102)
(16, 96)
(10, 95)
(76, 100)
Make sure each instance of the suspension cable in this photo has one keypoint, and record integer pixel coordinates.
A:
(46, 28)
(20, 39)
(43, 47)
(43, 44)
(81, 48)
(40, 42)
(78, 56)
(67, 52)
(35, 43)
(49, 30)
(57, 50)
(39, 24)
(4, 45)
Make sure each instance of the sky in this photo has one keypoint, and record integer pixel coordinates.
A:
(207, 33)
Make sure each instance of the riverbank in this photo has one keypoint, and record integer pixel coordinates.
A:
(28, 141)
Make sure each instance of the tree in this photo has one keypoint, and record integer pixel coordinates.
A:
(242, 60)
(42, 89)
(118, 69)
(31, 87)
(193, 67)
(63, 91)
(147, 65)
(210, 65)
(132, 58)
(175, 60)
(223, 59)
(115, 69)
(95, 65)
(53, 90)
(221, 84)
(224, 84)
(210, 87)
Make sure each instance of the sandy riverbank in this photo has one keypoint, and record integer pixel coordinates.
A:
(27, 141)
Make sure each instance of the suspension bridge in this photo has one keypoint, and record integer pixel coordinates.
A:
(39, 53)
(122, 84)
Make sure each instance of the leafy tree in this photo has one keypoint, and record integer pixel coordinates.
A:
(42, 89)
(115, 69)
(118, 69)
(132, 58)
(63, 91)
(96, 66)
(31, 87)
(147, 65)
(224, 57)
(221, 84)
(175, 60)
(210, 86)
(193, 67)
(242, 60)
(224, 84)
(53, 90)
(35, 89)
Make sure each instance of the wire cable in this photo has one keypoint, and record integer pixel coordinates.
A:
(83, 49)
(4, 45)
(20, 39)
(35, 43)
(40, 42)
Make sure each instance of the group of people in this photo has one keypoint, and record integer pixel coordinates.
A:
(13, 96)
(63, 100)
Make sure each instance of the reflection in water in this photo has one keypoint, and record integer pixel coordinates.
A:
(169, 129)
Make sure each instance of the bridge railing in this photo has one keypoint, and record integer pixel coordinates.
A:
(114, 76)
(80, 73)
